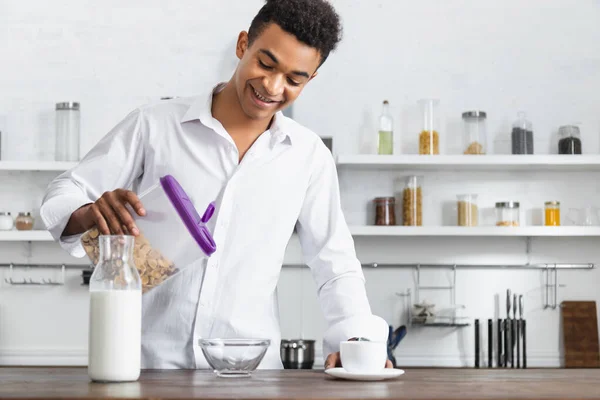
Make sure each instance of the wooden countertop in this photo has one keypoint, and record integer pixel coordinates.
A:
(73, 383)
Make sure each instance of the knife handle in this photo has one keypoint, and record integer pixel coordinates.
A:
(500, 343)
(490, 344)
(518, 344)
(524, 343)
(477, 343)
(506, 343)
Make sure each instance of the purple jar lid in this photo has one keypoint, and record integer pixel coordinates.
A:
(188, 214)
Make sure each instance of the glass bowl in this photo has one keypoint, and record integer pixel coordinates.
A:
(234, 357)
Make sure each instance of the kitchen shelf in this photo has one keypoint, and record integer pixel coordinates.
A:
(501, 163)
(26, 236)
(482, 231)
(53, 166)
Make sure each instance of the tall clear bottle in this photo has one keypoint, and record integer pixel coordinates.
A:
(67, 131)
(385, 139)
(115, 320)
(429, 137)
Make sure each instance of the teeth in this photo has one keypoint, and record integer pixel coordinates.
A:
(261, 97)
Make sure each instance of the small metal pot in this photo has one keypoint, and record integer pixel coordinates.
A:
(298, 354)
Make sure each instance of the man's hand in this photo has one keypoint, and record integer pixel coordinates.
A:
(334, 360)
(108, 214)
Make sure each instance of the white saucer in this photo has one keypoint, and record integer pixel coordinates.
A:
(387, 373)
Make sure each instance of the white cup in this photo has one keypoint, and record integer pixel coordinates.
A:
(363, 356)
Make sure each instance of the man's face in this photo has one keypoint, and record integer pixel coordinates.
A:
(273, 71)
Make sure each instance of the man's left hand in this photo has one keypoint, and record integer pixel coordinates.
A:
(334, 360)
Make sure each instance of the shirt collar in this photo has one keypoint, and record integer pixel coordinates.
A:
(201, 109)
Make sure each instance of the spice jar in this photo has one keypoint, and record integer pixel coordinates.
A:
(475, 132)
(468, 212)
(385, 213)
(522, 135)
(24, 222)
(412, 202)
(552, 213)
(6, 221)
(569, 140)
(507, 214)
(67, 131)
(429, 138)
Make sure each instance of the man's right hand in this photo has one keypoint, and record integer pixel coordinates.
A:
(109, 214)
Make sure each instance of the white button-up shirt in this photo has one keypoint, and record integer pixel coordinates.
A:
(287, 178)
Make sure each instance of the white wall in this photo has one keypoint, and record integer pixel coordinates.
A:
(500, 56)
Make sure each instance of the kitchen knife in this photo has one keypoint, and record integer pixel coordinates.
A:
(500, 342)
(477, 343)
(523, 330)
(518, 333)
(490, 344)
(507, 331)
(513, 332)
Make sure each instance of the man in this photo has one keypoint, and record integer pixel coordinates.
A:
(267, 173)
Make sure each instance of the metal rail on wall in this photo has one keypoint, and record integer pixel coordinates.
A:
(550, 271)
(42, 282)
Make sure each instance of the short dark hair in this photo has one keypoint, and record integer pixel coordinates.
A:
(312, 22)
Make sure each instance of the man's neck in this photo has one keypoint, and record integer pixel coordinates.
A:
(227, 110)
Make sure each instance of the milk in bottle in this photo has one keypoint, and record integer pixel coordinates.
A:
(115, 313)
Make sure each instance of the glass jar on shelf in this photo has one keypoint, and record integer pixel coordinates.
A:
(67, 131)
(412, 201)
(475, 132)
(385, 211)
(507, 213)
(552, 213)
(429, 138)
(6, 221)
(522, 135)
(569, 140)
(24, 221)
(385, 138)
(468, 211)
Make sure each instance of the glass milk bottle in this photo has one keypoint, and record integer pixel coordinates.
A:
(115, 320)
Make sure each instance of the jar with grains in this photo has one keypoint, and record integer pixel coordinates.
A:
(24, 221)
(507, 213)
(475, 132)
(468, 212)
(552, 213)
(522, 135)
(385, 211)
(569, 140)
(412, 201)
(429, 138)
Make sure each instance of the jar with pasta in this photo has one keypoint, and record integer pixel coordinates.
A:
(475, 132)
(468, 212)
(172, 234)
(412, 201)
(429, 137)
(507, 213)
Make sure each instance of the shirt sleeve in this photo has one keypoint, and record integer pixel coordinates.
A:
(115, 162)
(328, 250)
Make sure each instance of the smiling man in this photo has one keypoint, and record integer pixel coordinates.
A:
(267, 173)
